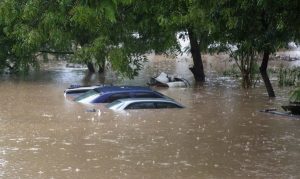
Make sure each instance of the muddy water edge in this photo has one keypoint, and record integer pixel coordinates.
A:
(220, 133)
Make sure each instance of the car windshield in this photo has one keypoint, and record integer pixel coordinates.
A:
(76, 91)
(86, 94)
(113, 103)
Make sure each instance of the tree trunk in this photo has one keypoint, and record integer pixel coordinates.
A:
(264, 74)
(246, 80)
(197, 69)
(90, 67)
(101, 67)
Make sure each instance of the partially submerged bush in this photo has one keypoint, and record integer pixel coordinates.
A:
(288, 76)
(295, 96)
(233, 71)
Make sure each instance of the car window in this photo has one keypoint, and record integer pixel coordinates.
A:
(145, 95)
(86, 94)
(116, 102)
(114, 97)
(160, 105)
(76, 91)
(141, 105)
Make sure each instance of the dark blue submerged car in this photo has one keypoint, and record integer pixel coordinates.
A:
(108, 94)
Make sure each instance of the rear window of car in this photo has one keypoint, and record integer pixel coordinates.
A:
(86, 94)
(141, 105)
(114, 97)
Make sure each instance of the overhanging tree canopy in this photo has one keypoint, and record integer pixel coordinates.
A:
(122, 31)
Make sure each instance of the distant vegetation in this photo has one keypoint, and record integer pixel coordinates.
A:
(288, 76)
(295, 96)
(121, 32)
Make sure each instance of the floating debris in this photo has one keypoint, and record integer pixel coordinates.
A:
(90, 110)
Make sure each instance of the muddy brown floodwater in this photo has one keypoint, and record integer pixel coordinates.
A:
(220, 133)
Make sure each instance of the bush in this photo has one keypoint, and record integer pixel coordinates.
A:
(295, 96)
(288, 77)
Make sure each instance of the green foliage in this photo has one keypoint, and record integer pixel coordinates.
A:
(295, 96)
(126, 65)
(109, 8)
(31, 10)
(84, 17)
(91, 52)
(86, 28)
(233, 71)
(18, 39)
(245, 58)
(288, 77)
(253, 27)
(122, 31)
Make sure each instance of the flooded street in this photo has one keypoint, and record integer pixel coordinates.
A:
(220, 133)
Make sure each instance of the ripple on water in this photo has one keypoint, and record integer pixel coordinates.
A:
(110, 141)
(2, 163)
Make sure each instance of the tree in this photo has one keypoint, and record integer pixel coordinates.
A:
(259, 25)
(188, 19)
(90, 30)
(121, 32)
(18, 40)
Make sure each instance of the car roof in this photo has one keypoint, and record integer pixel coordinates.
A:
(137, 100)
(146, 99)
(110, 89)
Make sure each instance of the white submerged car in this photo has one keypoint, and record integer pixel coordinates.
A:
(143, 103)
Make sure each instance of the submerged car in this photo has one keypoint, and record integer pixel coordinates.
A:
(171, 81)
(143, 103)
(108, 94)
(76, 90)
